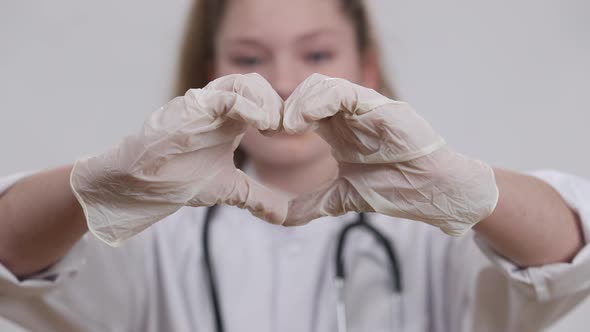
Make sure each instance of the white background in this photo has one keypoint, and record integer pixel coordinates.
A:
(504, 81)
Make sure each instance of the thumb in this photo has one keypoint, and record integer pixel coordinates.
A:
(336, 199)
(262, 202)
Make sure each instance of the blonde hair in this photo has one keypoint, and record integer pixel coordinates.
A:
(198, 47)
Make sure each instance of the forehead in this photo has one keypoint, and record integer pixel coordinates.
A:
(281, 18)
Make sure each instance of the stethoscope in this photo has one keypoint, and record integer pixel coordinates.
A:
(339, 281)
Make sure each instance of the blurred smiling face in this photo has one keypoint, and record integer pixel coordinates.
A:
(286, 41)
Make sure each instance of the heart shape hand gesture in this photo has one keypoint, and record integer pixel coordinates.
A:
(391, 161)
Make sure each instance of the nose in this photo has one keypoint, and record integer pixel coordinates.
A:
(285, 77)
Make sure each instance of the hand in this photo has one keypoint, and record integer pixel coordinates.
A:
(391, 161)
(182, 156)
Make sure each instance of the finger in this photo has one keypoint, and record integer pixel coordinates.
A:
(360, 124)
(320, 97)
(256, 89)
(203, 110)
(334, 200)
(199, 120)
(293, 117)
(219, 106)
(263, 203)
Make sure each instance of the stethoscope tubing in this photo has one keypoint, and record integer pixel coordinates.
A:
(361, 223)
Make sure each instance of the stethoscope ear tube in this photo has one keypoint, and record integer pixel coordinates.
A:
(340, 271)
(339, 281)
(210, 270)
(383, 242)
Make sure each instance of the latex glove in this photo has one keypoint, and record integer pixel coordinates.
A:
(391, 160)
(182, 156)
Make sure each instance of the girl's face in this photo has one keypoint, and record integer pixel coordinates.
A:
(286, 41)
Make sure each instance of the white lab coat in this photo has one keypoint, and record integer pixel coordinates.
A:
(281, 279)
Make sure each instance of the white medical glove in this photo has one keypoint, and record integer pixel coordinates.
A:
(182, 156)
(390, 159)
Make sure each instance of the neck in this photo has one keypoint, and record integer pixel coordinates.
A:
(300, 178)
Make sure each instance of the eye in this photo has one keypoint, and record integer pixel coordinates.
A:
(247, 61)
(318, 56)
